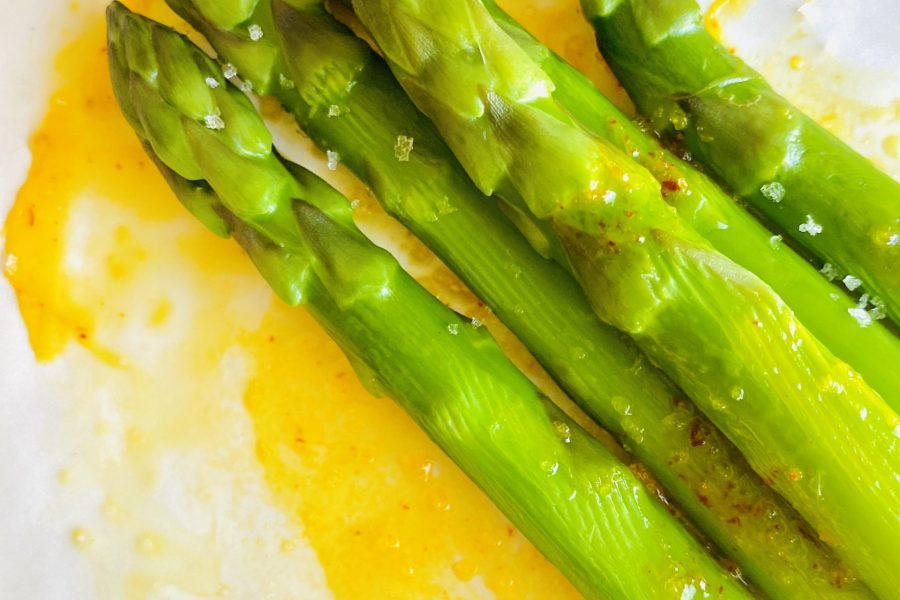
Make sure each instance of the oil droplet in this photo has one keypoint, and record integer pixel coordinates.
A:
(678, 120)
(64, 476)
(622, 406)
(161, 313)
(148, 544)
(390, 541)
(796, 62)
(134, 437)
(891, 145)
(82, 538)
(111, 510)
(465, 569)
(634, 432)
(795, 474)
(550, 467)
(737, 393)
(288, 546)
(563, 431)
(427, 468)
(704, 135)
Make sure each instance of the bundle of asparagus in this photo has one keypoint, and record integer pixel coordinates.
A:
(804, 419)
(822, 193)
(872, 350)
(580, 505)
(720, 332)
(341, 93)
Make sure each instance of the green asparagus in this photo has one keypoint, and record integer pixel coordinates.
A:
(582, 508)
(816, 188)
(345, 98)
(873, 351)
(806, 422)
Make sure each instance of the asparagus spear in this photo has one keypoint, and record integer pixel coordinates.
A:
(822, 193)
(873, 351)
(804, 420)
(567, 492)
(346, 99)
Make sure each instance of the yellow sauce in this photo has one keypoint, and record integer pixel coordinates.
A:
(388, 515)
(718, 10)
(76, 149)
(562, 27)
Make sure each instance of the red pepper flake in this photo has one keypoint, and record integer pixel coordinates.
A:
(670, 186)
(698, 434)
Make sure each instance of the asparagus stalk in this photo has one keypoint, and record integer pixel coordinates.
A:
(805, 421)
(567, 492)
(827, 197)
(344, 97)
(873, 351)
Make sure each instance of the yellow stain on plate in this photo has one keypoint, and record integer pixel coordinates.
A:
(77, 149)
(95, 244)
(385, 509)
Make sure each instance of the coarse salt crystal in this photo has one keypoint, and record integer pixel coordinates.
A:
(862, 317)
(333, 159)
(11, 265)
(773, 191)
(609, 197)
(829, 271)
(894, 240)
(403, 148)
(212, 82)
(229, 71)
(453, 328)
(256, 32)
(334, 110)
(214, 122)
(852, 282)
(285, 83)
(811, 227)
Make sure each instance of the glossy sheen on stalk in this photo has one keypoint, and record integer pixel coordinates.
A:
(785, 164)
(873, 351)
(805, 421)
(347, 100)
(567, 492)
